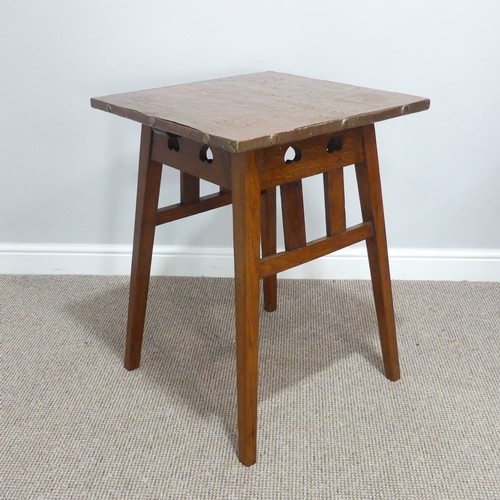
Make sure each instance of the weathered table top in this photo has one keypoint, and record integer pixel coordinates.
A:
(253, 111)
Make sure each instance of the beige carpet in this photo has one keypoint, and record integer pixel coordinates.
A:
(76, 424)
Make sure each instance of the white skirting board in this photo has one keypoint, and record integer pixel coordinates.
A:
(349, 263)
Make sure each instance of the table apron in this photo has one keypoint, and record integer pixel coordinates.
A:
(187, 159)
(314, 158)
(273, 170)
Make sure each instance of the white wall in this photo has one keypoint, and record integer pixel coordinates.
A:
(68, 172)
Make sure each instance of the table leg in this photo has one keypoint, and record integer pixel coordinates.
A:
(370, 194)
(148, 190)
(268, 231)
(246, 234)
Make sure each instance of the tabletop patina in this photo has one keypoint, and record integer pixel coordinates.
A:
(258, 110)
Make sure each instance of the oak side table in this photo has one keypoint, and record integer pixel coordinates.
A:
(250, 134)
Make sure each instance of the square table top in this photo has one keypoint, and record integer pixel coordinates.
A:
(258, 110)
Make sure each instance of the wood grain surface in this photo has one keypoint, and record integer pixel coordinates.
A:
(258, 110)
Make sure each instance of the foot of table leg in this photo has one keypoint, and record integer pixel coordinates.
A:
(268, 231)
(246, 231)
(370, 194)
(148, 190)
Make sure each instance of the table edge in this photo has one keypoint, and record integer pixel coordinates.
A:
(286, 137)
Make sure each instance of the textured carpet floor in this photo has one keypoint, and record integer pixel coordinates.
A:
(76, 424)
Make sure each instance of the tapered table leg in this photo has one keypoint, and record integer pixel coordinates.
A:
(268, 231)
(148, 190)
(370, 194)
(246, 233)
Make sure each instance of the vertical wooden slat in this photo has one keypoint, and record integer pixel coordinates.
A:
(292, 208)
(370, 194)
(246, 233)
(190, 188)
(148, 190)
(333, 182)
(268, 232)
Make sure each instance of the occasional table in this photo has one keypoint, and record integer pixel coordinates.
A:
(250, 134)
